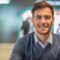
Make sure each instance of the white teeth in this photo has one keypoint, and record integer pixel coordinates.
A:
(43, 27)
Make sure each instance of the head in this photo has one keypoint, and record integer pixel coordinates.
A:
(42, 17)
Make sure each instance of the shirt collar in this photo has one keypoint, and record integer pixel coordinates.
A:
(49, 40)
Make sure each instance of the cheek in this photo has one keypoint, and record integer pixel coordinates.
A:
(34, 22)
(51, 23)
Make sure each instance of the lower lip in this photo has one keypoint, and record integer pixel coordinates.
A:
(43, 28)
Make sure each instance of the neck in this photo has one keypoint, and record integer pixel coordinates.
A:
(42, 37)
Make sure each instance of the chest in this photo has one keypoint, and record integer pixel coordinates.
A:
(38, 53)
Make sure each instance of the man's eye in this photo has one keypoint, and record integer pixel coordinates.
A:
(38, 17)
(47, 17)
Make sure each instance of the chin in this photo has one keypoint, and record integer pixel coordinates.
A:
(44, 32)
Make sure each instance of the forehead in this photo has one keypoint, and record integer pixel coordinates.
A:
(43, 11)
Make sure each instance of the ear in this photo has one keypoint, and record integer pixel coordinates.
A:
(53, 20)
(33, 20)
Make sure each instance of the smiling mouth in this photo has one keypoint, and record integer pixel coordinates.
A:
(43, 26)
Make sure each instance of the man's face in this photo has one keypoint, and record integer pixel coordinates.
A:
(43, 20)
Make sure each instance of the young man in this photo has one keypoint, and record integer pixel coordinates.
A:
(41, 44)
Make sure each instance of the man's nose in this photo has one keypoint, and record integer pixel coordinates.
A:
(43, 20)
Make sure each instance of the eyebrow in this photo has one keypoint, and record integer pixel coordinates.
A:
(42, 15)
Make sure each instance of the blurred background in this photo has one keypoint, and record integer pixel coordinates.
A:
(15, 22)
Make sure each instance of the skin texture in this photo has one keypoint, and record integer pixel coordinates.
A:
(43, 21)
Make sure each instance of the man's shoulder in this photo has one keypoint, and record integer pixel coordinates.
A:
(26, 38)
(56, 37)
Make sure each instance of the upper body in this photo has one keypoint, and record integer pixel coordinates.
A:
(26, 49)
